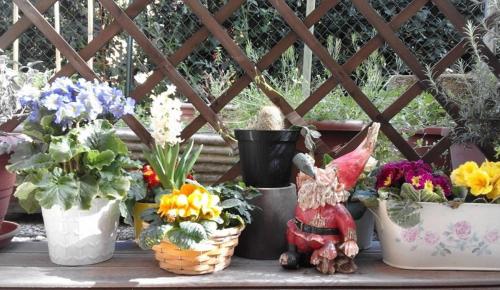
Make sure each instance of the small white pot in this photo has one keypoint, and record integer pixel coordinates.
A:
(465, 238)
(82, 237)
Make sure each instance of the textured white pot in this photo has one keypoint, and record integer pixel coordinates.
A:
(466, 238)
(82, 237)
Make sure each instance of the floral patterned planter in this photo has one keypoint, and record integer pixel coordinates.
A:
(465, 238)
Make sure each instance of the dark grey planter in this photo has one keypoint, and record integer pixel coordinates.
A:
(265, 238)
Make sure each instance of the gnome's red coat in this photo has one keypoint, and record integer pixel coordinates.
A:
(334, 216)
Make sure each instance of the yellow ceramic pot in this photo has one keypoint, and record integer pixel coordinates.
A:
(139, 207)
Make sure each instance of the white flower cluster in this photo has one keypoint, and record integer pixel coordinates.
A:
(166, 118)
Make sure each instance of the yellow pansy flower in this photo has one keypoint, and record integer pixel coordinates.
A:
(459, 175)
(479, 182)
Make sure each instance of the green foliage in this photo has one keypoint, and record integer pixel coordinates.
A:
(404, 213)
(171, 168)
(235, 197)
(408, 192)
(153, 235)
(73, 169)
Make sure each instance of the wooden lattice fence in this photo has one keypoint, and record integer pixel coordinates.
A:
(212, 25)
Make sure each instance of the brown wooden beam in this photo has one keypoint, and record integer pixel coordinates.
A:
(459, 22)
(104, 36)
(185, 50)
(340, 74)
(264, 63)
(23, 24)
(44, 26)
(166, 66)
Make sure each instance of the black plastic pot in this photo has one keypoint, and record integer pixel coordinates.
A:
(266, 156)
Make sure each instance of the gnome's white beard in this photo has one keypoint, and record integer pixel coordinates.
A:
(323, 190)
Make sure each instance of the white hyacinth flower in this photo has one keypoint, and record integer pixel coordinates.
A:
(166, 118)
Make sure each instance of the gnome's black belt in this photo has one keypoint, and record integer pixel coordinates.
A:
(314, 230)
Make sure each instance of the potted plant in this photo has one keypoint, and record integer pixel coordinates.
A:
(12, 84)
(168, 168)
(478, 102)
(76, 169)
(267, 149)
(424, 221)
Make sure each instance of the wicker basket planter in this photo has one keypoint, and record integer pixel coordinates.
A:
(208, 257)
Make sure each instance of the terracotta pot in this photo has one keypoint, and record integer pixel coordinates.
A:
(461, 153)
(7, 182)
(139, 224)
(446, 238)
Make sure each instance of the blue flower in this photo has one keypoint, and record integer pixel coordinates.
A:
(129, 106)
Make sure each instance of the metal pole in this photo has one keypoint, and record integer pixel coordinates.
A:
(307, 61)
(15, 48)
(57, 27)
(90, 28)
(130, 51)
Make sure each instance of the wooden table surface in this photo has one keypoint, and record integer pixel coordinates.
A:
(27, 264)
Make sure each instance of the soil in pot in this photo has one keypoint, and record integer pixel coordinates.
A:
(266, 156)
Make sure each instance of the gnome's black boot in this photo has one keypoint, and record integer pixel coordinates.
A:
(290, 259)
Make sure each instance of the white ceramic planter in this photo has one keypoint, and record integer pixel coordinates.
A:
(82, 237)
(466, 238)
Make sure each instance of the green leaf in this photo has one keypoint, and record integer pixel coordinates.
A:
(153, 235)
(209, 226)
(100, 136)
(138, 188)
(195, 230)
(230, 203)
(406, 214)
(62, 149)
(180, 238)
(116, 188)
(98, 160)
(25, 193)
(88, 188)
(40, 160)
(56, 188)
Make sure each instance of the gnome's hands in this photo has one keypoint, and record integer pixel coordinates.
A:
(350, 248)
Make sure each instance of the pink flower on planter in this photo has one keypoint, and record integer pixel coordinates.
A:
(491, 236)
(410, 235)
(462, 230)
(431, 238)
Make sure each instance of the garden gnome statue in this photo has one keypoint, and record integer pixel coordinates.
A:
(323, 231)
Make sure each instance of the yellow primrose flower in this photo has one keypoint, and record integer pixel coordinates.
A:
(495, 192)
(493, 170)
(479, 182)
(415, 180)
(428, 186)
(195, 200)
(181, 201)
(388, 180)
(459, 175)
